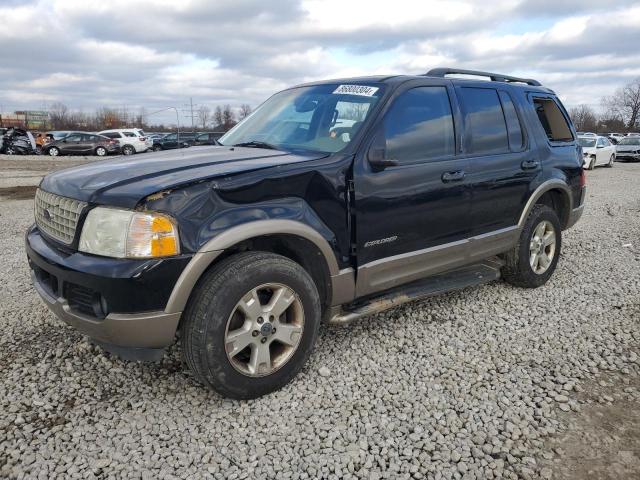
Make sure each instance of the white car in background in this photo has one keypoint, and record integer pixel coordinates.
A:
(132, 140)
(586, 134)
(597, 151)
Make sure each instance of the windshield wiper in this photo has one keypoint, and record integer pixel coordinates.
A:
(256, 144)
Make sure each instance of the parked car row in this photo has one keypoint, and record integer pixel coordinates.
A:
(613, 137)
(599, 150)
(126, 141)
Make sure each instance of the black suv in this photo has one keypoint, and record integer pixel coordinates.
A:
(333, 201)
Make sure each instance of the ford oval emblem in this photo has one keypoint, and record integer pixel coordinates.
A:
(47, 214)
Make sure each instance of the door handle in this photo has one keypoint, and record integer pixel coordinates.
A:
(529, 164)
(453, 176)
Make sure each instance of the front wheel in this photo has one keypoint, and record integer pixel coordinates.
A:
(53, 151)
(128, 150)
(534, 259)
(592, 163)
(251, 324)
(611, 160)
(101, 151)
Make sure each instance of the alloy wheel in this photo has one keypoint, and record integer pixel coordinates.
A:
(264, 330)
(542, 247)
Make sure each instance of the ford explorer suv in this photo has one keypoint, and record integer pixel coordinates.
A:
(333, 201)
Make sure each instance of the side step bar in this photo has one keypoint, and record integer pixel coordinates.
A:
(471, 275)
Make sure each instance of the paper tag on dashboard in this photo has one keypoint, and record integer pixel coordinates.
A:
(362, 90)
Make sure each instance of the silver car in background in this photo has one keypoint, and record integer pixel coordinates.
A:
(628, 149)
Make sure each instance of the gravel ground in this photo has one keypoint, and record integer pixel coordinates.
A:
(490, 382)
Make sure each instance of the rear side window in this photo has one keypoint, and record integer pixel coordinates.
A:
(419, 125)
(485, 125)
(514, 129)
(552, 120)
(129, 134)
(112, 135)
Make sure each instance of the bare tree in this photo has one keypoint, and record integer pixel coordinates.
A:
(218, 118)
(228, 118)
(625, 104)
(584, 118)
(204, 115)
(245, 111)
(58, 115)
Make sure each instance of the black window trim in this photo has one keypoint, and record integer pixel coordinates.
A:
(548, 96)
(523, 128)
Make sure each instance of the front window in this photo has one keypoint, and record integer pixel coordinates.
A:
(629, 141)
(587, 142)
(321, 118)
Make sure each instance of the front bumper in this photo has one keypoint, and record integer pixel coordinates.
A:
(628, 156)
(118, 302)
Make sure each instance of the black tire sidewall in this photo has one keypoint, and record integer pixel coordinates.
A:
(216, 368)
(540, 213)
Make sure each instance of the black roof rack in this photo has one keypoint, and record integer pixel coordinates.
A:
(495, 77)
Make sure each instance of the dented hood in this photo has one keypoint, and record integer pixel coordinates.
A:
(124, 181)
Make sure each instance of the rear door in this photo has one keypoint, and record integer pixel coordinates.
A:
(87, 143)
(413, 214)
(502, 163)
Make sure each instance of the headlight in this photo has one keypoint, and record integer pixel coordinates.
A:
(127, 234)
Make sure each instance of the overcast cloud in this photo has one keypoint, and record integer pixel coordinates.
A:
(156, 53)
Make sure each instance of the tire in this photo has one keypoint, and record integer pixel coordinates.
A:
(213, 315)
(592, 164)
(53, 151)
(518, 269)
(101, 151)
(611, 160)
(128, 150)
(156, 148)
(10, 150)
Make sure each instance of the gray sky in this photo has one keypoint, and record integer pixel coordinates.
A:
(155, 53)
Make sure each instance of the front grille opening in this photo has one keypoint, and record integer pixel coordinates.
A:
(85, 300)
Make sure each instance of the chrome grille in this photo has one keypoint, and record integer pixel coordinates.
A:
(57, 216)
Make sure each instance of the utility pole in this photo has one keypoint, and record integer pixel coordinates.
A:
(189, 113)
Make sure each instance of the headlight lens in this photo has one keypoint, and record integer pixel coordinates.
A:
(127, 234)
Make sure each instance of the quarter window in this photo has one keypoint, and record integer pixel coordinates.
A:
(419, 125)
(485, 125)
(552, 120)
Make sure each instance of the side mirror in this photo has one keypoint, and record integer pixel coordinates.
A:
(377, 159)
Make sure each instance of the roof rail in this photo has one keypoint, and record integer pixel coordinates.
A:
(495, 77)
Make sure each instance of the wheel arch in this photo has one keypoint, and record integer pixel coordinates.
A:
(294, 240)
(554, 193)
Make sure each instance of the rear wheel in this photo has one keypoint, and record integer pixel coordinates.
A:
(128, 150)
(11, 150)
(534, 259)
(101, 151)
(251, 324)
(54, 151)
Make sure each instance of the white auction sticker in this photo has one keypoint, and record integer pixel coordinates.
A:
(362, 90)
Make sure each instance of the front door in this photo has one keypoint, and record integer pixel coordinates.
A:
(412, 197)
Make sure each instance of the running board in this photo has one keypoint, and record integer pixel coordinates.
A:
(471, 275)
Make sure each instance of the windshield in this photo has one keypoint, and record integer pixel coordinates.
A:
(629, 141)
(321, 118)
(587, 142)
